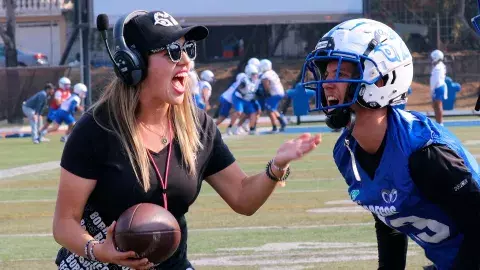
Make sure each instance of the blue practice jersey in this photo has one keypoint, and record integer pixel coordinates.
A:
(392, 195)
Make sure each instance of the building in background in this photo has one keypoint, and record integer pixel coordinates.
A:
(277, 28)
(41, 26)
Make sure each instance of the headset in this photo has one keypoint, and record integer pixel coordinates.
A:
(128, 63)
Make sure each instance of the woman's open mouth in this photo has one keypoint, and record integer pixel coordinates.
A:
(179, 81)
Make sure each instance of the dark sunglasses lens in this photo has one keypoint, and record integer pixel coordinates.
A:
(175, 52)
(191, 50)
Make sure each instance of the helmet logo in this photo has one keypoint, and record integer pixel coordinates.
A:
(325, 43)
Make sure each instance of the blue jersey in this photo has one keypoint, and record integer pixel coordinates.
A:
(392, 195)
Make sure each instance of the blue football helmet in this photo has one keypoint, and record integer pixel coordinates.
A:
(376, 52)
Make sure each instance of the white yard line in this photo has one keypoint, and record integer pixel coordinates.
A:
(27, 201)
(222, 229)
(254, 228)
(279, 191)
(29, 169)
(201, 195)
(341, 202)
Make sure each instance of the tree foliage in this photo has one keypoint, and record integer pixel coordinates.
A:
(455, 27)
(7, 34)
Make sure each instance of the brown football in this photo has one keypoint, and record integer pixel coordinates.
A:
(149, 230)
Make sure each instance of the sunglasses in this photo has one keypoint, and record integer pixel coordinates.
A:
(175, 50)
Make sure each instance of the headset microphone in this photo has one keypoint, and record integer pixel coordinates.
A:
(102, 27)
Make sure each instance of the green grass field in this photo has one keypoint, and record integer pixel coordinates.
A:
(283, 234)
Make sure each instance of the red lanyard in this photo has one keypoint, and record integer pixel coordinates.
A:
(167, 169)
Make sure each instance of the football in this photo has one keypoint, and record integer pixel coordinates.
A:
(148, 229)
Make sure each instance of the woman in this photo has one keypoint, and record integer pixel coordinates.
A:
(146, 142)
(412, 174)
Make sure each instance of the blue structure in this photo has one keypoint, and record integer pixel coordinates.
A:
(453, 89)
(300, 97)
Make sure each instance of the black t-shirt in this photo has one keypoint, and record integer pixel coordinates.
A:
(439, 173)
(94, 153)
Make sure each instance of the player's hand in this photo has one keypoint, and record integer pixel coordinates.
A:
(107, 253)
(295, 149)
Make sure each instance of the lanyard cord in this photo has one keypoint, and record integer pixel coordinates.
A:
(167, 169)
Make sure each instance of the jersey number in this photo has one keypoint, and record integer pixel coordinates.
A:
(440, 230)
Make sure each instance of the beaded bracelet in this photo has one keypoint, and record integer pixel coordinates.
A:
(271, 175)
(87, 255)
(91, 256)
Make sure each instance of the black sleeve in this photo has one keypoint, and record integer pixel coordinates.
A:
(392, 247)
(442, 177)
(81, 151)
(221, 156)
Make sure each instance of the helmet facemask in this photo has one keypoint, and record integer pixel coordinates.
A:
(315, 76)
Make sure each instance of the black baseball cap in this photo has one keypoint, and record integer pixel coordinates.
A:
(156, 29)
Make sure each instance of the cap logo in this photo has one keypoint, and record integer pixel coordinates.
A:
(164, 19)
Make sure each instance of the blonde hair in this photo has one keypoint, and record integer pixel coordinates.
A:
(122, 104)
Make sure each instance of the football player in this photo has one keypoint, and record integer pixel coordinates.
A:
(438, 87)
(412, 174)
(226, 103)
(244, 97)
(274, 91)
(65, 114)
(61, 94)
(205, 87)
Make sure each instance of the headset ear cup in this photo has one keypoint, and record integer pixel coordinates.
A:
(125, 66)
(118, 73)
(129, 66)
(140, 70)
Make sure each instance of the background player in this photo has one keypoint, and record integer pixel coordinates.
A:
(65, 114)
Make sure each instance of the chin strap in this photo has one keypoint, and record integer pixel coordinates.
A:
(339, 118)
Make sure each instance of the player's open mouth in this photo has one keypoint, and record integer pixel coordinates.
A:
(332, 101)
(179, 81)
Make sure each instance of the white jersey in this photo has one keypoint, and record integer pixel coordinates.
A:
(437, 77)
(194, 77)
(247, 92)
(201, 87)
(227, 95)
(276, 87)
(58, 95)
(71, 103)
(258, 81)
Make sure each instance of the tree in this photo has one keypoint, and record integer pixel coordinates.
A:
(463, 32)
(455, 29)
(13, 79)
(8, 34)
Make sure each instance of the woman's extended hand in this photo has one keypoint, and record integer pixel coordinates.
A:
(107, 253)
(295, 149)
